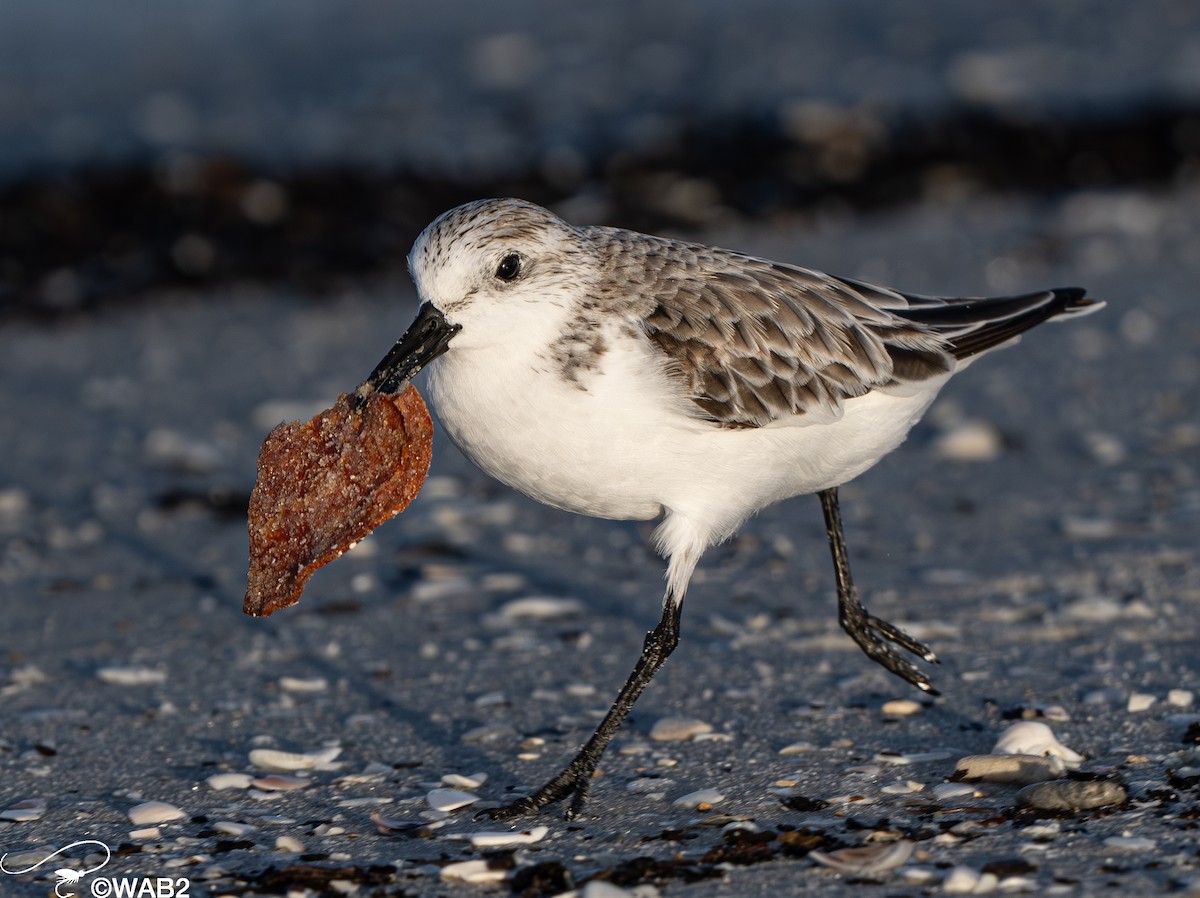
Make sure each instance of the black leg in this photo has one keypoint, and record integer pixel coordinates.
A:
(864, 628)
(575, 781)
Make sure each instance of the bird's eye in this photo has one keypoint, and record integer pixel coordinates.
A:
(509, 267)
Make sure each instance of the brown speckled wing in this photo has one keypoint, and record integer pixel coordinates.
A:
(753, 341)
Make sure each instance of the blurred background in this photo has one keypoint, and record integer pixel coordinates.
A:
(300, 142)
(204, 212)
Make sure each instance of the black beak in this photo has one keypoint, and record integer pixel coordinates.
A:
(426, 338)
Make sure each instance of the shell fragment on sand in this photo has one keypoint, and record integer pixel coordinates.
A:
(326, 483)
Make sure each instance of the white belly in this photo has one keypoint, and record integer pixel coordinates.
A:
(625, 447)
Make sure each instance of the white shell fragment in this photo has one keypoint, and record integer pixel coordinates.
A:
(219, 781)
(973, 440)
(233, 828)
(290, 844)
(901, 707)
(868, 860)
(540, 608)
(953, 792)
(278, 782)
(1032, 737)
(966, 881)
(1139, 701)
(477, 871)
(449, 799)
(285, 761)
(131, 676)
(24, 811)
(1130, 843)
(702, 799)
(151, 812)
(1020, 769)
(464, 783)
(1180, 698)
(678, 729)
(501, 839)
(300, 684)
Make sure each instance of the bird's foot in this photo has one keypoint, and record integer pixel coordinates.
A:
(873, 635)
(575, 782)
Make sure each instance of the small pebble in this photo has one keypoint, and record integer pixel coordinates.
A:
(146, 834)
(867, 860)
(1021, 769)
(1032, 737)
(449, 799)
(902, 707)
(478, 872)
(131, 676)
(1070, 795)
(502, 839)
(1180, 698)
(285, 761)
(219, 781)
(24, 811)
(678, 729)
(1139, 701)
(151, 812)
(290, 844)
(970, 441)
(1079, 527)
(701, 799)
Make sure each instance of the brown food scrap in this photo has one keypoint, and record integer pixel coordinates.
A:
(325, 484)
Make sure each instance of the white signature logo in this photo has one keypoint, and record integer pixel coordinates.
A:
(66, 876)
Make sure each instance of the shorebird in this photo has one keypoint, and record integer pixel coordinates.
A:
(627, 376)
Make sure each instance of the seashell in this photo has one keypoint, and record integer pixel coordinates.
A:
(277, 782)
(151, 812)
(1032, 737)
(478, 872)
(299, 684)
(230, 828)
(131, 676)
(290, 844)
(502, 839)
(464, 783)
(284, 761)
(967, 881)
(449, 799)
(540, 608)
(24, 811)
(678, 729)
(701, 799)
(220, 781)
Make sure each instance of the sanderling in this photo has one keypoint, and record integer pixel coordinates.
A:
(627, 376)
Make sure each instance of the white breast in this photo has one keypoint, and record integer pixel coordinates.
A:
(624, 446)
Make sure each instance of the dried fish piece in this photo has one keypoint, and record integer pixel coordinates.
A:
(326, 483)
